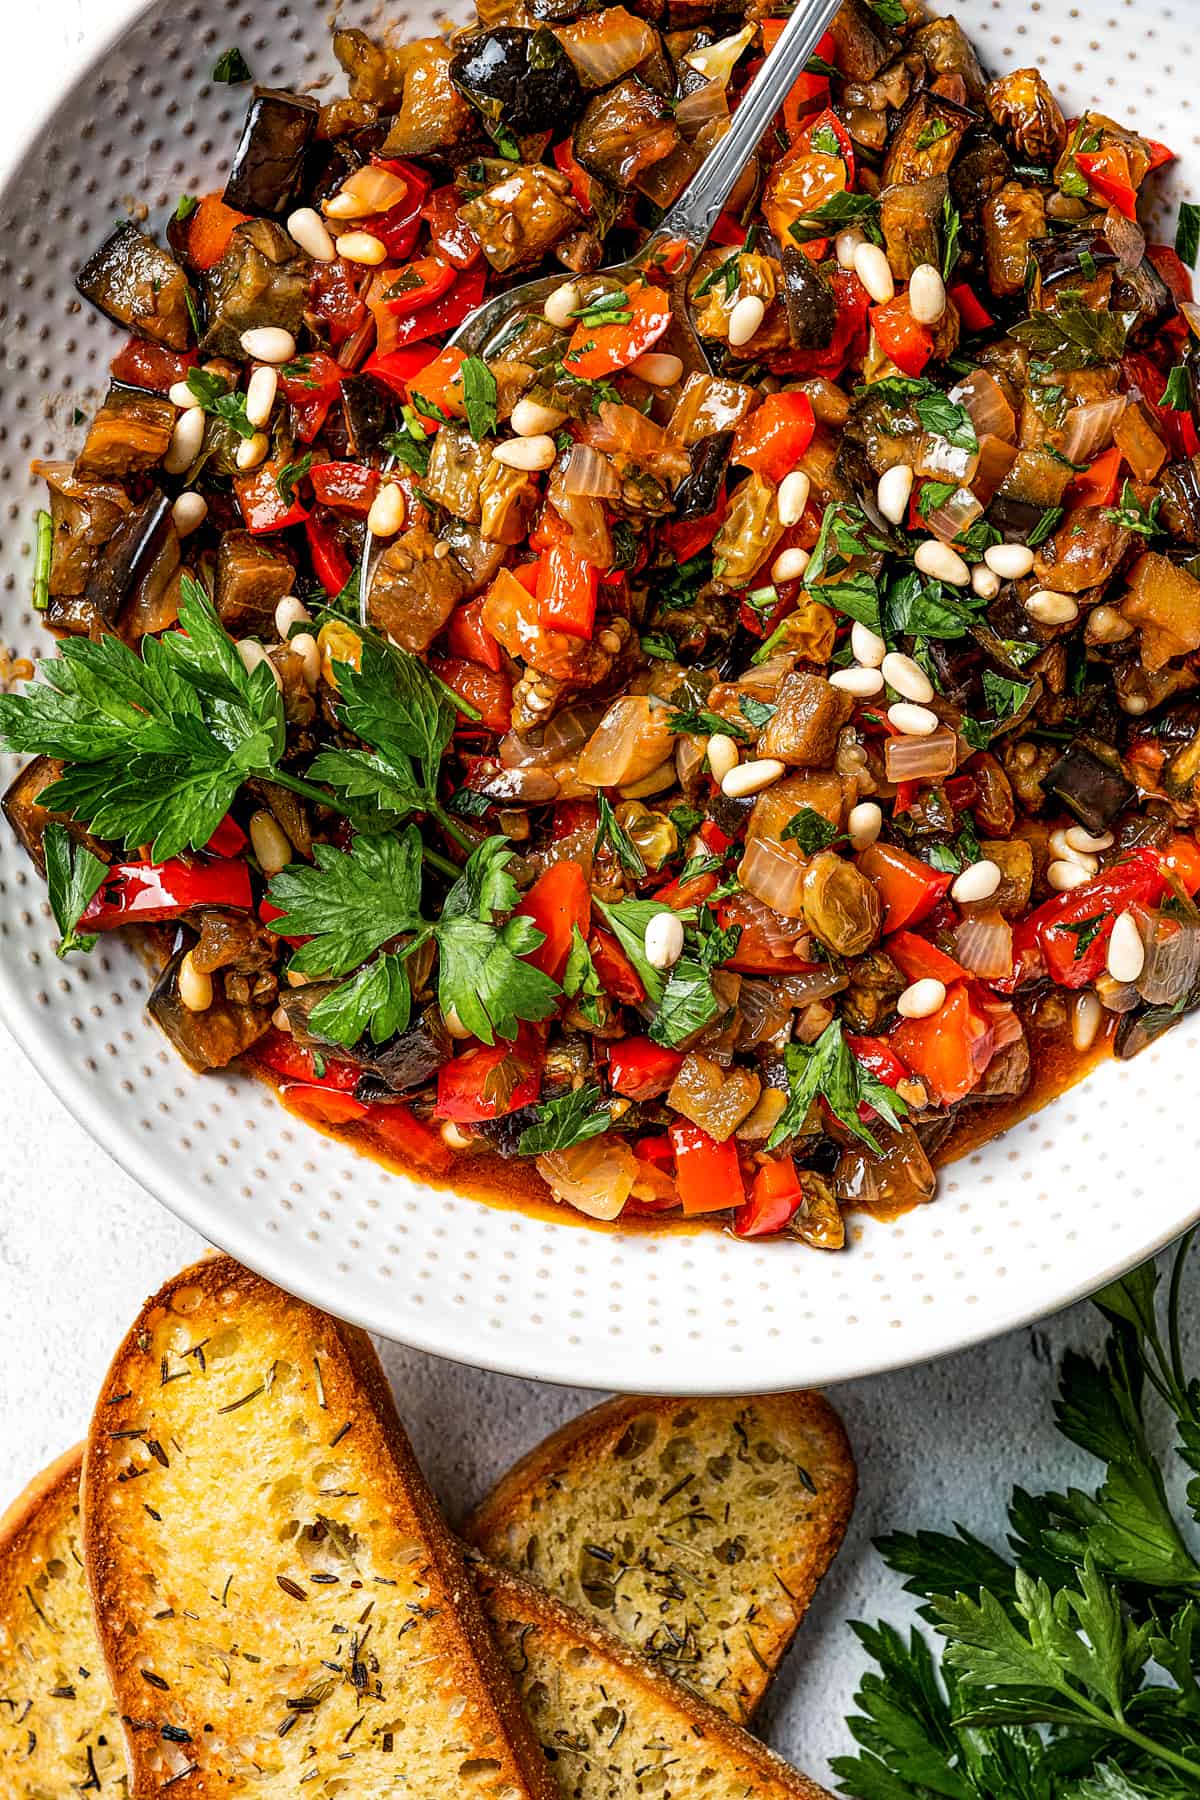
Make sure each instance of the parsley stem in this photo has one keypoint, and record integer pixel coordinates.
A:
(453, 829)
(43, 557)
(441, 863)
(308, 791)
(322, 797)
(1114, 1722)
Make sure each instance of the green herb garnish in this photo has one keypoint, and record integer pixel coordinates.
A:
(232, 69)
(73, 875)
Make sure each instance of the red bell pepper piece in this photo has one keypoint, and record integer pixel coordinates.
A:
(907, 887)
(775, 1197)
(849, 340)
(618, 977)
(280, 1053)
(449, 233)
(566, 591)
(1108, 174)
(349, 486)
(144, 893)
(879, 1059)
(209, 230)
(971, 310)
(441, 316)
(311, 385)
(950, 1050)
(1172, 268)
(331, 565)
(757, 953)
(1182, 857)
(558, 903)
(640, 1069)
(1137, 879)
(899, 336)
(228, 839)
(397, 1132)
(918, 959)
(487, 690)
(709, 1174)
(490, 1080)
(694, 892)
(418, 284)
(143, 364)
(467, 636)
(262, 505)
(581, 181)
(684, 538)
(1097, 484)
(772, 439)
(1160, 154)
(599, 350)
(397, 228)
(335, 295)
(321, 1105)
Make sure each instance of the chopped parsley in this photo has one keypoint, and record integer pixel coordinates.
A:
(232, 69)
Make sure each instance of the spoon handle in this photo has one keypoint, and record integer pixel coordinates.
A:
(683, 233)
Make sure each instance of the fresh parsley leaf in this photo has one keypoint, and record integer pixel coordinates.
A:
(413, 451)
(1045, 527)
(611, 832)
(377, 1000)
(212, 395)
(688, 1003)
(1187, 234)
(943, 858)
(685, 818)
(841, 209)
(915, 606)
(898, 392)
(1003, 695)
(700, 722)
(1085, 933)
(829, 1070)
(232, 69)
(890, 11)
(567, 1119)
(348, 904)
(73, 875)
(930, 132)
(934, 494)
(678, 585)
(756, 712)
(480, 972)
(628, 919)
(948, 419)
(824, 139)
(855, 594)
(1131, 515)
(581, 982)
(659, 644)
(811, 830)
(479, 396)
(1075, 337)
(951, 230)
(185, 206)
(291, 475)
(1177, 393)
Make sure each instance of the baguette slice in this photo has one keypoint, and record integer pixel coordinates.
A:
(611, 1725)
(281, 1608)
(59, 1730)
(694, 1530)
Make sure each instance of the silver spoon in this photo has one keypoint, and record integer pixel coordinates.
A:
(679, 238)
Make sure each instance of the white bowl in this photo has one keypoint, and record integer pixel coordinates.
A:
(1080, 1191)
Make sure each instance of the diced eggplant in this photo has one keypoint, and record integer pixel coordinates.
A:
(809, 302)
(803, 730)
(1008, 1074)
(697, 495)
(1144, 292)
(251, 580)
(136, 283)
(521, 80)
(910, 215)
(625, 131)
(374, 71)
(981, 167)
(369, 414)
(1085, 551)
(456, 466)
(1058, 258)
(434, 115)
(28, 818)
(417, 585)
(205, 1040)
(927, 138)
(129, 555)
(1179, 486)
(478, 558)
(85, 515)
(1023, 106)
(947, 51)
(262, 279)
(507, 498)
(232, 939)
(411, 1058)
(862, 43)
(1093, 790)
(130, 433)
(520, 217)
(268, 164)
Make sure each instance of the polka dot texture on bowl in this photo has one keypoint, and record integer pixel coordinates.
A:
(1089, 1185)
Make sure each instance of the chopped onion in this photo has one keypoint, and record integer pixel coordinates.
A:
(589, 476)
(716, 61)
(1172, 960)
(529, 786)
(625, 429)
(774, 874)
(983, 944)
(566, 733)
(955, 515)
(587, 522)
(1127, 238)
(632, 740)
(921, 758)
(985, 400)
(802, 990)
(1089, 428)
(597, 1177)
(375, 188)
(996, 458)
(701, 107)
(940, 460)
(765, 1012)
(605, 45)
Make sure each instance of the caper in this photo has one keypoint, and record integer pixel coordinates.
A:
(653, 833)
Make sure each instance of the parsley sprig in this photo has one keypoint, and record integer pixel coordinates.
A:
(829, 1070)
(73, 875)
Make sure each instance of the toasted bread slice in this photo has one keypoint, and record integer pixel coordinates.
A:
(59, 1730)
(694, 1530)
(611, 1725)
(281, 1608)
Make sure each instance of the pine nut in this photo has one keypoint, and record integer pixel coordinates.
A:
(261, 390)
(846, 243)
(454, 1137)
(252, 451)
(792, 497)
(1060, 846)
(979, 882)
(722, 756)
(922, 999)
(388, 510)
(269, 344)
(559, 305)
(270, 843)
(913, 721)
(664, 940)
(453, 1023)
(944, 564)
(289, 612)
(1126, 951)
(526, 452)
(1086, 1017)
(280, 1020)
(253, 654)
(658, 367)
(531, 419)
(1079, 839)
(304, 645)
(874, 271)
(346, 206)
(1063, 876)
(789, 565)
(926, 294)
(752, 777)
(864, 824)
(867, 645)
(859, 682)
(306, 227)
(892, 492)
(187, 441)
(189, 512)
(1051, 609)
(1135, 705)
(362, 247)
(1009, 561)
(181, 395)
(195, 986)
(745, 320)
(907, 677)
(984, 582)
(1105, 625)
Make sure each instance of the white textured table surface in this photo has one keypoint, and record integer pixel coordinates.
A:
(81, 1245)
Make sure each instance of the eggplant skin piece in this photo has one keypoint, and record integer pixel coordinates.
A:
(809, 302)
(521, 79)
(268, 165)
(697, 493)
(128, 555)
(1091, 789)
(205, 1040)
(136, 283)
(262, 279)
